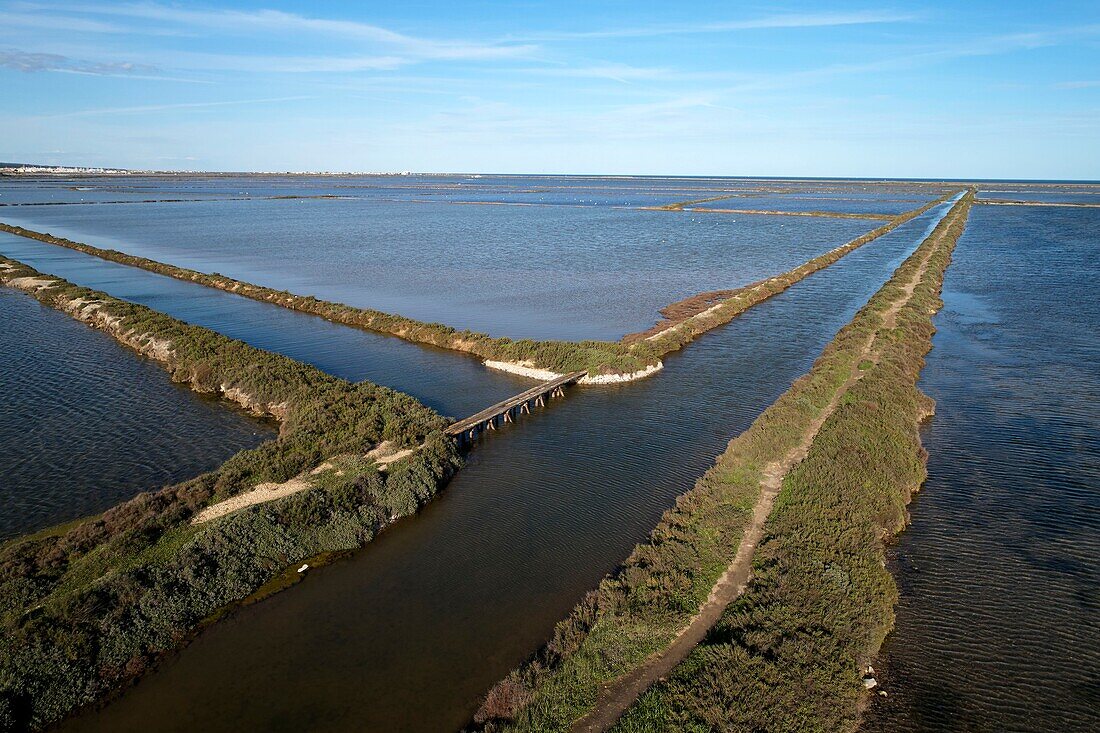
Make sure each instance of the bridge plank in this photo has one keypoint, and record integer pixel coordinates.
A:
(505, 405)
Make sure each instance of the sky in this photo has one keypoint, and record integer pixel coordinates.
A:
(1002, 89)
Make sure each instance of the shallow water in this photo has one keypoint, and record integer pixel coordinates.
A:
(1071, 195)
(524, 272)
(1000, 586)
(408, 633)
(838, 204)
(453, 384)
(86, 423)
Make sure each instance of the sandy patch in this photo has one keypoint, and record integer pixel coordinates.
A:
(524, 369)
(384, 454)
(262, 494)
(30, 283)
(620, 378)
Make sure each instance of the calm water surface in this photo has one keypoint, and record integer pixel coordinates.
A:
(408, 633)
(567, 190)
(452, 384)
(86, 423)
(997, 629)
(999, 581)
(523, 272)
(845, 205)
(1070, 195)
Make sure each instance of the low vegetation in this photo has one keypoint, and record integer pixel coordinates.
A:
(634, 353)
(777, 212)
(791, 652)
(89, 605)
(681, 205)
(596, 357)
(788, 654)
(687, 319)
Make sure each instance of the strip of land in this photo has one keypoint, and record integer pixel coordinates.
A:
(680, 205)
(777, 212)
(87, 606)
(604, 361)
(1062, 204)
(560, 357)
(794, 650)
(173, 201)
(687, 319)
(643, 621)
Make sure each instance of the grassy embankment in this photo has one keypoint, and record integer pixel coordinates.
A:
(681, 205)
(788, 654)
(560, 356)
(817, 214)
(633, 354)
(88, 605)
(687, 319)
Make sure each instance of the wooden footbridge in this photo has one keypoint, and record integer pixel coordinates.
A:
(507, 410)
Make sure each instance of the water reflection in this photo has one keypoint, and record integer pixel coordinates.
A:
(409, 632)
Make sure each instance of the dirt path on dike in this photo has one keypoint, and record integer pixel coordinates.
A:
(616, 696)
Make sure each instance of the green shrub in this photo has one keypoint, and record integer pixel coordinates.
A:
(84, 608)
(595, 357)
(811, 614)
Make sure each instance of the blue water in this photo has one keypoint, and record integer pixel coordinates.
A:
(525, 272)
(408, 633)
(1000, 585)
(452, 384)
(86, 423)
(998, 574)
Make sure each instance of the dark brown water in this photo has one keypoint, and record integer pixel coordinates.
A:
(408, 633)
(86, 423)
(998, 628)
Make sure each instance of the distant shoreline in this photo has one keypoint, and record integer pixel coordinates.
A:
(15, 170)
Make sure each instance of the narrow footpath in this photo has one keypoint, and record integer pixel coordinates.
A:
(615, 697)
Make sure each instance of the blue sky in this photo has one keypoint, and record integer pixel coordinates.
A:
(976, 89)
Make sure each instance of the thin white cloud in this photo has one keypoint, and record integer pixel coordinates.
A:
(800, 20)
(164, 107)
(280, 64)
(622, 73)
(31, 63)
(266, 22)
(1082, 84)
(54, 22)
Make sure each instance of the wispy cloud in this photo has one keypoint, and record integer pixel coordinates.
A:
(54, 22)
(792, 20)
(268, 22)
(623, 73)
(281, 64)
(33, 62)
(164, 107)
(29, 63)
(1082, 84)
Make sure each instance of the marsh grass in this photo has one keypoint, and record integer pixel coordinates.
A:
(86, 606)
(632, 354)
(787, 655)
